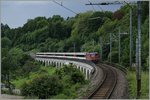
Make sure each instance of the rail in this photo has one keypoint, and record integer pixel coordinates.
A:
(122, 68)
(106, 86)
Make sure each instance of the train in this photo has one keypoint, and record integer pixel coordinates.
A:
(90, 56)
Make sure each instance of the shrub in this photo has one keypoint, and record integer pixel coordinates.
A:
(42, 86)
(71, 73)
(77, 77)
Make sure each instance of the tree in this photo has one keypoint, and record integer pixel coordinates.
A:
(16, 54)
(90, 46)
(25, 58)
(6, 43)
(118, 15)
(28, 67)
(8, 65)
(145, 10)
(94, 24)
(4, 29)
(10, 62)
(56, 18)
(34, 24)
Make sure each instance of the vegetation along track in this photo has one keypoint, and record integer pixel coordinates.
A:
(107, 85)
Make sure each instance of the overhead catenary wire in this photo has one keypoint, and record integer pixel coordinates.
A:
(100, 7)
(60, 4)
(91, 5)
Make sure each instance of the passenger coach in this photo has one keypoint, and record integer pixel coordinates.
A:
(94, 56)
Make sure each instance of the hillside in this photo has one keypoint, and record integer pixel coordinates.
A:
(80, 34)
(56, 34)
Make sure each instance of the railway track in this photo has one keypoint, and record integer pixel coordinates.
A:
(107, 85)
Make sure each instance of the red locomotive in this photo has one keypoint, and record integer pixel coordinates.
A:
(92, 56)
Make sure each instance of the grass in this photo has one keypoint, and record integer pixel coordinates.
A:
(131, 77)
(50, 70)
(18, 82)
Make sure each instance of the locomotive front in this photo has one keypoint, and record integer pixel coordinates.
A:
(94, 57)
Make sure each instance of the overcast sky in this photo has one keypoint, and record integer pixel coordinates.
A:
(16, 13)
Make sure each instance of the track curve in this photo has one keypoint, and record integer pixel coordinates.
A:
(107, 85)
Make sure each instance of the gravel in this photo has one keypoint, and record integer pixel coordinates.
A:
(121, 89)
(119, 92)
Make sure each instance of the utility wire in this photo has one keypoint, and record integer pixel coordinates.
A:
(63, 6)
(91, 5)
(100, 7)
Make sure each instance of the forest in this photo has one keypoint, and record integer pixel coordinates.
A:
(58, 34)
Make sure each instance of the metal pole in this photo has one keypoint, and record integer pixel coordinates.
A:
(74, 46)
(110, 46)
(101, 51)
(93, 45)
(138, 52)
(119, 46)
(131, 37)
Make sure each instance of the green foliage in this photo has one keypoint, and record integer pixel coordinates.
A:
(28, 67)
(107, 28)
(71, 74)
(16, 52)
(60, 83)
(19, 82)
(4, 30)
(60, 96)
(114, 56)
(6, 43)
(77, 77)
(56, 34)
(26, 75)
(90, 47)
(145, 42)
(4, 52)
(8, 63)
(37, 23)
(72, 80)
(145, 10)
(42, 86)
(50, 70)
(26, 57)
(131, 77)
(11, 61)
(145, 67)
(118, 15)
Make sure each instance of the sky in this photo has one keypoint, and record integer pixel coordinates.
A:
(16, 13)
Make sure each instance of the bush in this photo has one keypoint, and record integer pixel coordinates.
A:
(71, 73)
(63, 83)
(43, 87)
(77, 77)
